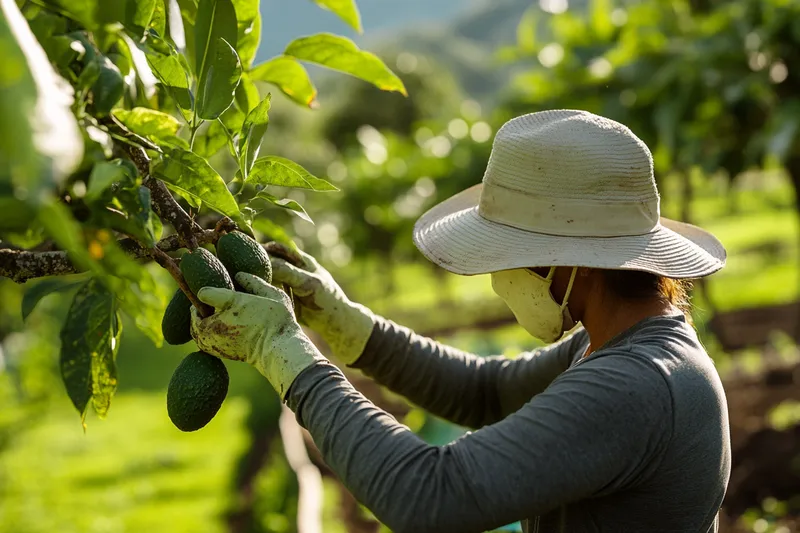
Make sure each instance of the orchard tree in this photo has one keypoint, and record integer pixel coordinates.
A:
(109, 116)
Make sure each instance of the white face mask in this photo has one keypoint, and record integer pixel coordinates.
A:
(528, 296)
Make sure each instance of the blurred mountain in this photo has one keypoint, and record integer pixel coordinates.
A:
(462, 36)
(284, 20)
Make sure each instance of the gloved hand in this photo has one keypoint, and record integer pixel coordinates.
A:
(258, 328)
(322, 305)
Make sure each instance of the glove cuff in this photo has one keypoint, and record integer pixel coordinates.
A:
(352, 338)
(298, 352)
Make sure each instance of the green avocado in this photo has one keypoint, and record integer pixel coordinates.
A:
(201, 269)
(196, 391)
(177, 321)
(240, 253)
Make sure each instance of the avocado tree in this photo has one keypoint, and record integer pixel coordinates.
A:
(130, 132)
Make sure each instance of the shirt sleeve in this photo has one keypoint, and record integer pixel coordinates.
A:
(600, 426)
(463, 388)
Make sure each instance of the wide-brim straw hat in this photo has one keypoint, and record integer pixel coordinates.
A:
(565, 188)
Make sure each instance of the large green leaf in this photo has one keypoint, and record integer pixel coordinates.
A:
(193, 175)
(253, 130)
(149, 123)
(344, 9)
(288, 75)
(249, 30)
(273, 231)
(170, 71)
(218, 82)
(342, 54)
(89, 343)
(43, 288)
(40, 142)
(216, 61)
(274, 170)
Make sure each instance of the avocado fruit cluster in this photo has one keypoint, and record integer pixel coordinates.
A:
(199, 384)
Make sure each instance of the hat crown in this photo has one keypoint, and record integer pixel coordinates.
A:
(568, 172)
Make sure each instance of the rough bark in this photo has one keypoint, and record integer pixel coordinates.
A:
(22, 265)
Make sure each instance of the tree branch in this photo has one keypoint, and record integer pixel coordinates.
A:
(164, 204)
(22, 265)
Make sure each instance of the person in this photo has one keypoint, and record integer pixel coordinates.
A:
(620, 426)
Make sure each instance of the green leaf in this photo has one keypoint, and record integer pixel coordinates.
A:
(288, 75)
(285, 203)
(345, 10)
(273, 231)
(130, 212)
(103, 175)
(40, 141)
(82, 11)
(342, 54)
(35, 294)
(211, 141)
(108, 88)
(136, 291)
(135, 15)
(249, 30)
(215, 59)
(174, 77)
(89, 344)
(247, 96)
(193, 175)
(218, 81)
(148, 122)
(253, 130)
(274, 170)
(159, 19)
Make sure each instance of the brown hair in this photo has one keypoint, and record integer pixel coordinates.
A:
(636, 285)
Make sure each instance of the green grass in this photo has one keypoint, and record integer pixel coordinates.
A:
(133, 472)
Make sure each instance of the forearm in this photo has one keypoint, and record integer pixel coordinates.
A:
(463, 388)
(455, 385)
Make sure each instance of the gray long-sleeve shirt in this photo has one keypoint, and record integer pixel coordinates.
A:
(633, 438)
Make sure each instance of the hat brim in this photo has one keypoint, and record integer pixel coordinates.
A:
(454, 236)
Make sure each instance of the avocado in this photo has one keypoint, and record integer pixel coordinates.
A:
(196, 391)
(201, 269)
(240, 253)
(177, 321)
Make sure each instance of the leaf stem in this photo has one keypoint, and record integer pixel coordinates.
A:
(195, 127)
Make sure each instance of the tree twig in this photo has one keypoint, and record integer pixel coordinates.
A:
(164, 204)
(22, 265)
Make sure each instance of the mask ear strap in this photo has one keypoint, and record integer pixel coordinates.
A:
(569, 287)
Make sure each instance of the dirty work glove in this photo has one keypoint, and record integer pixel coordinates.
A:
(322, 305)
(258, 328)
